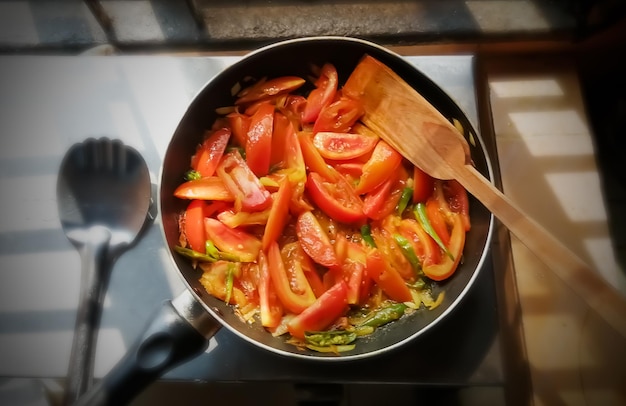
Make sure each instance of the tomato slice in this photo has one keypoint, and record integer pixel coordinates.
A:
(210, 152)
(249, 193)
(279, 213)
(375, 201)
(423, 185)
(268, 88)
(386, 277)
(424, 246)
(336, 199)
(292, 287)
(194, 225)
(270, 307)
(458, 200)
(448, 266)
(322, 95)
(315, 241)
(211, 188)
(437, 219)
(259, 140)
(322, 313)
(294, 255)
(312, 158)
(339, 116)
(343, 146)
(239, 124)
(282, 129)
(383, 163)
(232, 240)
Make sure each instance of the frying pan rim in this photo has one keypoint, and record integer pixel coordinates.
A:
(311, 356)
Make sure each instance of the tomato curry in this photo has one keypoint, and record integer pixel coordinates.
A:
(308, 222)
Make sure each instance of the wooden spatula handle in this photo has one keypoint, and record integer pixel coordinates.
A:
(586, 282)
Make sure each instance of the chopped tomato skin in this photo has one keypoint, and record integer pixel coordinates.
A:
(259, 140)
(211, 152)
(342, 146)
(322, 95)
(292, 288)
(322, 313)
(387, 277)
(339, 116)
(384, 161)
(314, 241)
(210, 188)
(336, 199)
(242, 183)
(194, 225)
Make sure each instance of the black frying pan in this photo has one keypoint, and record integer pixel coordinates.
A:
(183, 327)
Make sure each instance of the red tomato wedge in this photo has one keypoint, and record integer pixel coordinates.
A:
(282, 129)
(424, 246)
(384, 161)
(259, 140)
(268, 88)
(291, 285)
(315, 241)
(293, 255)
(270, 306)
(242, 183)
(194, 225)
(312, 158)
(211, 188)
(343, 146)
(458, 200)
(232, 240)
(375, 201)
(239, 124)
(322, 95)
(322, 313)
(208, 156)
(423, 185)
(434, 212)
(339, 116)
(279, 213)
(448, 266)
(336, 199)
(385, 276)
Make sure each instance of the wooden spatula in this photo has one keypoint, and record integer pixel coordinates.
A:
(409, 123)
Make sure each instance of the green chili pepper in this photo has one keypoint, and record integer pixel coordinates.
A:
(230, 278)
(326, 338)
(408, 252)
(191, 254)
(422, 218)
(192, 175)
(331, 348)
(405, 198)
(367, 235)
(385, 315)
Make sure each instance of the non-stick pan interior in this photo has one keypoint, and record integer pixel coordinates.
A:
(296, 57)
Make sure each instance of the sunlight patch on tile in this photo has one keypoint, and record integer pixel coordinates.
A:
(125, 123)
(52, 280)
(603, 257)
(526, 88)
(31, 209)
(553, 132)
(579, 195)
(511, 15)
(110, 342)
(134, 20)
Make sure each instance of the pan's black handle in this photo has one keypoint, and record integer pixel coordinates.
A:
(179, 331)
